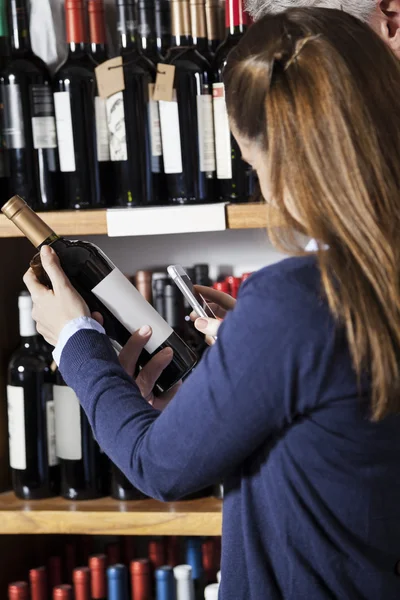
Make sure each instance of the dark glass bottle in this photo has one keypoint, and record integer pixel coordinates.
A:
(163, 26)
(147, 32)
(121, 487)
(199, 28)
(133, 118)
(74, 98)
(187, 122)
(4, 60)
(165, 584)
(99, 54)
(106, 290)
(195, 560)
(28, 117)
(213, 10)
(83, 466)
(235, 179)
(117, 582)
(33, 460)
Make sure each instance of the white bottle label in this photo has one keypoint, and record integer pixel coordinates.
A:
(223, 148)
(171, 136)
(206, 132)
(68, 423)
(43, 121)
(16, 427)
(155, 130)
(131, 309)
(103, 140)
(65, 133)
(14, 134)
(116, 127)
(51, 433)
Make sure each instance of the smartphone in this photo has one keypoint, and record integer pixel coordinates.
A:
(184, 283)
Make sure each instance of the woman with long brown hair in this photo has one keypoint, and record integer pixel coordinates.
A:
(297, 404)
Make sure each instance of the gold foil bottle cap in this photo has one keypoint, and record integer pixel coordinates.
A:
(27, 221)
(13, 206)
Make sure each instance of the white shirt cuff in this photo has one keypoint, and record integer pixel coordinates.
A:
(70, 329)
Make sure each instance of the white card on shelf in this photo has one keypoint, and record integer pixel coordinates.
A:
(160, 220)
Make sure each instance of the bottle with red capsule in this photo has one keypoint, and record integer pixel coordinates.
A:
(140, 572)
(222, 286)
(18, 590)
(38, 583)
(62, 592)
(98, 583)
(234, 285)
(81, 581)
(245, 276)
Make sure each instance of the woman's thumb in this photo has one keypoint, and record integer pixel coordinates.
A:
(207, 326)
(51, 264)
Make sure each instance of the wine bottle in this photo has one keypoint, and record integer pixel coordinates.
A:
(234, 285)
(18, 590)
(210, 564)
(99, 54)
(156, 552)
(62, 592)
(201, 275)
(38, 583)
(158, 283)
(98, 585)
(165, 584)
(106, 290)
(143, 284)
(199, 28)
(74, 98)
(211, 592)
(163, 26)
(33, 461)
(184, 582)
(4, 60)
(121, 487)
(140, 579)
(175, 309)
(186, 121)
(83, 466)
(133, 120)
(194, 559)
(28, 117)
(147, 32)
(81, 580)
(213, 9)
(234, 177)
(54, 572)
(117, 583)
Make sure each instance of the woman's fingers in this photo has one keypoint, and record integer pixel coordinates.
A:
(223, 300)
(130, 353)
(148, 376)
(98, 317)
(217, 310)
(209, 327)
(52, 266)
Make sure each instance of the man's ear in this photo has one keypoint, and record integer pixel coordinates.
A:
(386, 23)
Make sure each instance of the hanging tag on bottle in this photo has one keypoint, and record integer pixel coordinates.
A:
(164, 87)
(110, 77)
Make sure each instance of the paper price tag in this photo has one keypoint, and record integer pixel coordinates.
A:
(164, 82)
(110, 77)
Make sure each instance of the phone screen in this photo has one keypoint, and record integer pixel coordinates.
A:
(188, 282)
(184, 283)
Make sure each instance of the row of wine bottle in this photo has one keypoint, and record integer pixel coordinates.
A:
(174, 569)
(52, 448)
(63, 145)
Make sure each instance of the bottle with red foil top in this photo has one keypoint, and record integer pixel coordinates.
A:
(140, 571)
(222, 286)
(62, 592)
(98, 585)
(74, 100)
(234, 285)
(81, 580)
(18, 590)
(156, 553)
(235, 178)
(210, 567)
(97, 30)
(38, 583)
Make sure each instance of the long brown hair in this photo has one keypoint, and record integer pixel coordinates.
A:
(320, 92)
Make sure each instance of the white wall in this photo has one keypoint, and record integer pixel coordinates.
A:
(244, 250)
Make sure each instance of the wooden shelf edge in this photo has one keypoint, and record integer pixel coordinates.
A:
(94, 222)
(109, 517)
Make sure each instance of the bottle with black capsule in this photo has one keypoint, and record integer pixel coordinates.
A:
(106, 290)
(29, 131)
(31, 426)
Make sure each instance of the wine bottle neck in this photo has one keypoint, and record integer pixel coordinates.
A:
(27, 326)
(99, 52)
(235, 17)
(147, 28)
(127, 26)
(75, 25)
(19, 26)
(97, 26)
(27, 221)
(180, 23)
(77, 50)
(163, 24)
(212, 10)
(198, 22)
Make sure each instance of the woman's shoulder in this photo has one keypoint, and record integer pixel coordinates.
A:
(297, 275)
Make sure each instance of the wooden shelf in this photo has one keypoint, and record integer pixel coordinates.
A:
(94, 222)
(109, 517)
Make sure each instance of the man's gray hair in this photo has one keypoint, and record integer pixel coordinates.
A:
(362, 9)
